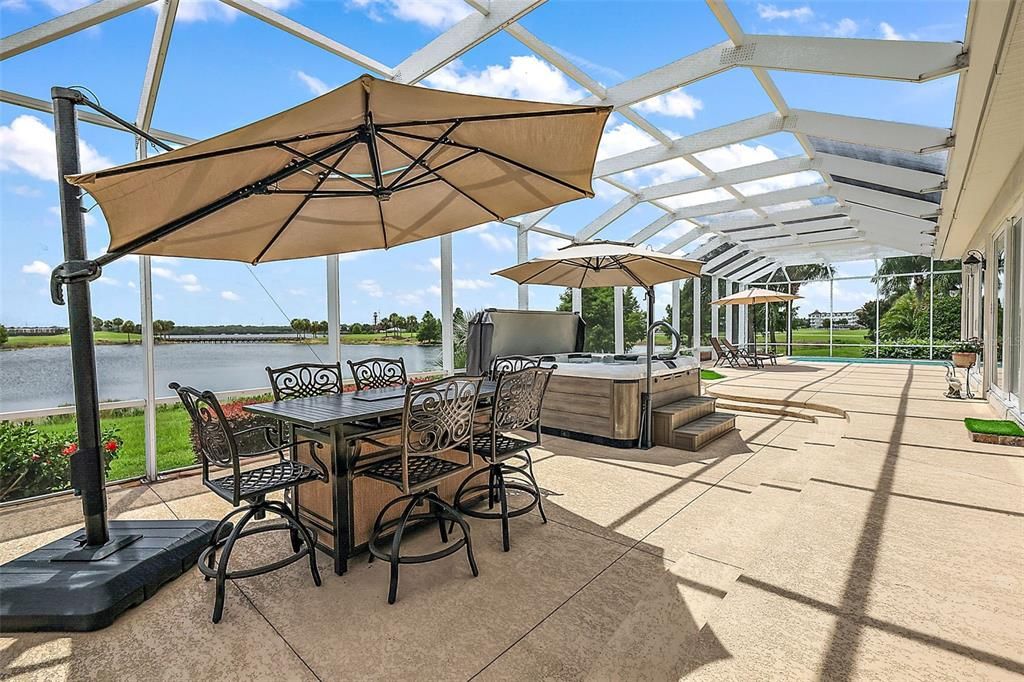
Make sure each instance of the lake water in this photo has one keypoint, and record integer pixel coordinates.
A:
(33, 378)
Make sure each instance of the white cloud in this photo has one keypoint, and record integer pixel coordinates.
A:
(28, 145)
(526, 77)
(13, 5)
(676, 103)
(37, 267)
(314, 84)
(430, 13)
(888, 32)
(472, 284)
(496, 240)
(109, 281)
(26, 191)
(844, 28)
(622, 139)
(371, 288)
(204, 10)
(230, 296)
(771, 13)
(544, 245)
(188, 281)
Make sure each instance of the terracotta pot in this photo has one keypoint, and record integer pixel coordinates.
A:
(964, 360)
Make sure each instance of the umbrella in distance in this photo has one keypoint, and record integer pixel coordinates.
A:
(372, 164)
(755, 296)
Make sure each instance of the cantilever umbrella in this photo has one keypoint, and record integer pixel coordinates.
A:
(606, 264)
(755, 296)
(372, 164)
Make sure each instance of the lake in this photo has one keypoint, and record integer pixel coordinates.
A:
(34, 378)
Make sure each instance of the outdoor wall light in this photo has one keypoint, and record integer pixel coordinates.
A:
(974, 257)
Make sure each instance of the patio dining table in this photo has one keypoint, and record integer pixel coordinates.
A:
(343, 509)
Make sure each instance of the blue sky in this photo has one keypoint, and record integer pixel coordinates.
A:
(225, 69)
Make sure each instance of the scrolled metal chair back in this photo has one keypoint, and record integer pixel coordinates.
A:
(503, 364)
(519, 398)
(215, 438)
(439, 415)
(305, 380)
(379, 373)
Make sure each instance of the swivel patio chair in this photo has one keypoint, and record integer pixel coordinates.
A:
(502, 364)
(436, 421)
(217, 443)
(304, 380)
(379, 373)
(516, 406)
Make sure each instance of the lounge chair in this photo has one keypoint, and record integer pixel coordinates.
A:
(752, 357)
(724, 355)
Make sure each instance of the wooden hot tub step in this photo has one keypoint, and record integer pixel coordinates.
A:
(667, 418)
(697, 434)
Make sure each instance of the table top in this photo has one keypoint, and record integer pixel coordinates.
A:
(324, 411)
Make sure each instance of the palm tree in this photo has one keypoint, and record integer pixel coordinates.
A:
(892, 287)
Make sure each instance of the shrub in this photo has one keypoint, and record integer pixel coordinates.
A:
(904, 349)
(34, 463)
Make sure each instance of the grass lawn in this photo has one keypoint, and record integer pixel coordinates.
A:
(172, 427)
(65, 339)
(405, 338)
(710, 375)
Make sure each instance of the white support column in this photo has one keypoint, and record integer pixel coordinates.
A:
(831, 307)
(577, 301)
(447, 307)
(333, 308)
(729, 314)
(698, 284)
(716, 287)
(148, 361)
(523, 255)
(675, 305)
(742, 338)
(620, 338)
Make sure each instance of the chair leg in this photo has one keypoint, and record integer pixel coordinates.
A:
(465, 532)
(396, 544)
(533, 480)
(297, 529)
(293, 534)
(440, 522)
(225, 555)
(503, 499)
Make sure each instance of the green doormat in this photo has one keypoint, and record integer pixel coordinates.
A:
(996, 427)
(710, 375)
(995, 431)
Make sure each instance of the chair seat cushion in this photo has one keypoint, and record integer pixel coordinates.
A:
(422, 469)
(267, 479)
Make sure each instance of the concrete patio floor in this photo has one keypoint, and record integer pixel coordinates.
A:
(884, 545)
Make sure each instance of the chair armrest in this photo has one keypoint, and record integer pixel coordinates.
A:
(280, 450)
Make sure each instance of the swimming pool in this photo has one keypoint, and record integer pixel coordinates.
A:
(862, 361)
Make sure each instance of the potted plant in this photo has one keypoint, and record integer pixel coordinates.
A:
(965, 353)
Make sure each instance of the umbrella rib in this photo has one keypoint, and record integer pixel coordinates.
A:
(444, 180)
(534, 276)
(410, 183)
(500, 157)
(298, 209)
(325, 166)
(157, 162)
(426, 152)
(498, 117)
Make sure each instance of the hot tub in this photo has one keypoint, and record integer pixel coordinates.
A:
(597, 398)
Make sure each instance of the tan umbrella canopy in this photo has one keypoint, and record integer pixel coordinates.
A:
(755, 296)
(603, 264)
(372, 164)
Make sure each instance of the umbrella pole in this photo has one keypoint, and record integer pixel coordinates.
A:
(645, 432)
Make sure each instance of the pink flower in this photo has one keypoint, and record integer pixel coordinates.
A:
(36, 458)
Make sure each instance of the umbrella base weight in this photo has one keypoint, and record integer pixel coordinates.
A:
(64, 587)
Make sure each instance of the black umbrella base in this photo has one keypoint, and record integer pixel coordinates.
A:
(63, 587)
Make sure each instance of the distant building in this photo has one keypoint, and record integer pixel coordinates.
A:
(839, 320)
(36, 331)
